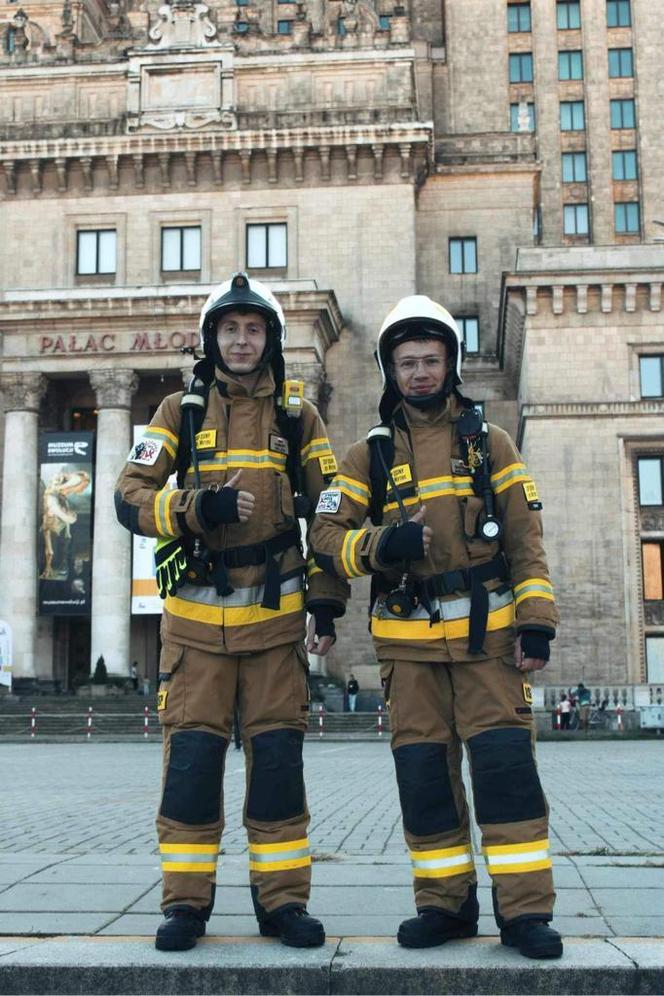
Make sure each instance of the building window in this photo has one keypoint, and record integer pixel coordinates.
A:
(521, 67)
(284, 27)
(96, 252)
(470, 330)
(655, 659)
(341, 26)
(650, 480)
(628, 218)
(652, 376)
(575, 219)
(10, 40)
(568, 15)
(624, 165)
(463, 255)
(242, 3)
(570, 65)
(621, 62)
(575, 167)
(241, 27)
(384, 22)
(181, 248)
(572, 115)
(623, 114)
(653, 571)
(267, 247)
(518, 17)
(514, 117)
(618, 14)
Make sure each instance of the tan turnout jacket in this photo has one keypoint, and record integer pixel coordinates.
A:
(429, 470)
(240, 431)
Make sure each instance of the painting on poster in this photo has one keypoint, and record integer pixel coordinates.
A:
(65, 522)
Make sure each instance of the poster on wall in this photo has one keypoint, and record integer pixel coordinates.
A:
(5, 654)
(65, 522)
(145, 598)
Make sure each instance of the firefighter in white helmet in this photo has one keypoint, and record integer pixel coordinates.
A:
(251, 457)
(462, 609)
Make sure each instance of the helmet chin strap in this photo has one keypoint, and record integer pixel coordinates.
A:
(426, 401)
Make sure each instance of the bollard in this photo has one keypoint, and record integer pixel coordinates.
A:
(380, 720)
(89, 733)
(619, 712)
(558, 720)
(145, 723)
(33, 722)
(320, 720)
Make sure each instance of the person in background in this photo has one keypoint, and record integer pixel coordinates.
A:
(352, 688)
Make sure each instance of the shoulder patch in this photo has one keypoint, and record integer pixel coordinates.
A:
(329, 501)
(328, 465)
(145, 451)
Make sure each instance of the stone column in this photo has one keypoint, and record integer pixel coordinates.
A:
(111, 554)
(21, 396)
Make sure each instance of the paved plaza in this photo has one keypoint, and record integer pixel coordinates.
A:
(78, 852)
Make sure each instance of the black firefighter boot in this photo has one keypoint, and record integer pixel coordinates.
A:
(294, 926)
(433, 926)
(180, 929)
(533, 938)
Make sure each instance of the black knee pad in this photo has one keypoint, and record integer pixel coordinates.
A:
(192, 792)
(506, 785)
(425, 790)
(276, 786)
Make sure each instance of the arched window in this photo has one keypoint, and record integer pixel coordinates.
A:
(10, 40)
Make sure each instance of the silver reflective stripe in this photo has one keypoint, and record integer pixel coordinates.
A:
(457, 859)
(182, 857)
(454, 485)
(522, 857)
(534, 587)
(455, 608)
(266, 859)
(497, 480)
(207, 595)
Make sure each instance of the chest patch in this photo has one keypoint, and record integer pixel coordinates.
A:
(329, 501)
(206, 439)
(328, 465)
(402, 474)
(278, 444)
(145, 451)
(459, 468)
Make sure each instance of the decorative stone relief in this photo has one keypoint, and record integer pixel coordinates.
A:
(22, 391)
(113, 388)
(182, 23)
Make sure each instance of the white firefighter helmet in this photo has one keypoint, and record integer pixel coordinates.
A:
(242, 291)
(413, 315)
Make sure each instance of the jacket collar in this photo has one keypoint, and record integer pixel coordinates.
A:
(230, 386)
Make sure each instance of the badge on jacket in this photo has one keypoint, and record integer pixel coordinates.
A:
(328, 465)
(329, 501)
(206, 439)
(402, 474)
(146, 451)
(532, 497)
(278, 444)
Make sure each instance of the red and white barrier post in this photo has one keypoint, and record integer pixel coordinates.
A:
(146, 722)
(89, 732)
(380, 720)
(320, 720)
(33, 722)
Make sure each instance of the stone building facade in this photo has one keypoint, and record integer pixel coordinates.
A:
(503, 157)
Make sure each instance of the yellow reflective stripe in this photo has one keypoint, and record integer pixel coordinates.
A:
(442, 852)
(169, 440)
(442, 863)
(510, 859)
(190, 848)
(253, 459)
(316, 448)
(183, 866)
(348, 560)
(460, 869)
(284, 845)
(273, 866)
(312, 568)
(351, 488)
(508, 476)
(453, 629)
(521, 866)
(162, 501)
(217, 615)
(533, 588)
(414, 500)
(436, 487)
(496, 850)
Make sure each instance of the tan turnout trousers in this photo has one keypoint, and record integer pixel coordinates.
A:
(435, 708)
(197, 697)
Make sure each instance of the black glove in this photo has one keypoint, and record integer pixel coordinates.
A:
(220, 507)
(404, 542)
(324, 616)
(534, 643)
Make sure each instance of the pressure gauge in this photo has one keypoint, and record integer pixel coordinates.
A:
(490, 529)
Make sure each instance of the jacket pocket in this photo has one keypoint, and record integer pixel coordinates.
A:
(171, 693)
(386, 676)
(302, 687)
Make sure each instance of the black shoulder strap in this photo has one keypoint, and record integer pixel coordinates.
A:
(183, 455)
(291, 429)
(377, 476)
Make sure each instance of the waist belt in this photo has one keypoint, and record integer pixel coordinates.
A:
(252, 555)
(467, 579)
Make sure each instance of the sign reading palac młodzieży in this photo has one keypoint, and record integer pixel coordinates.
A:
(65, 522)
